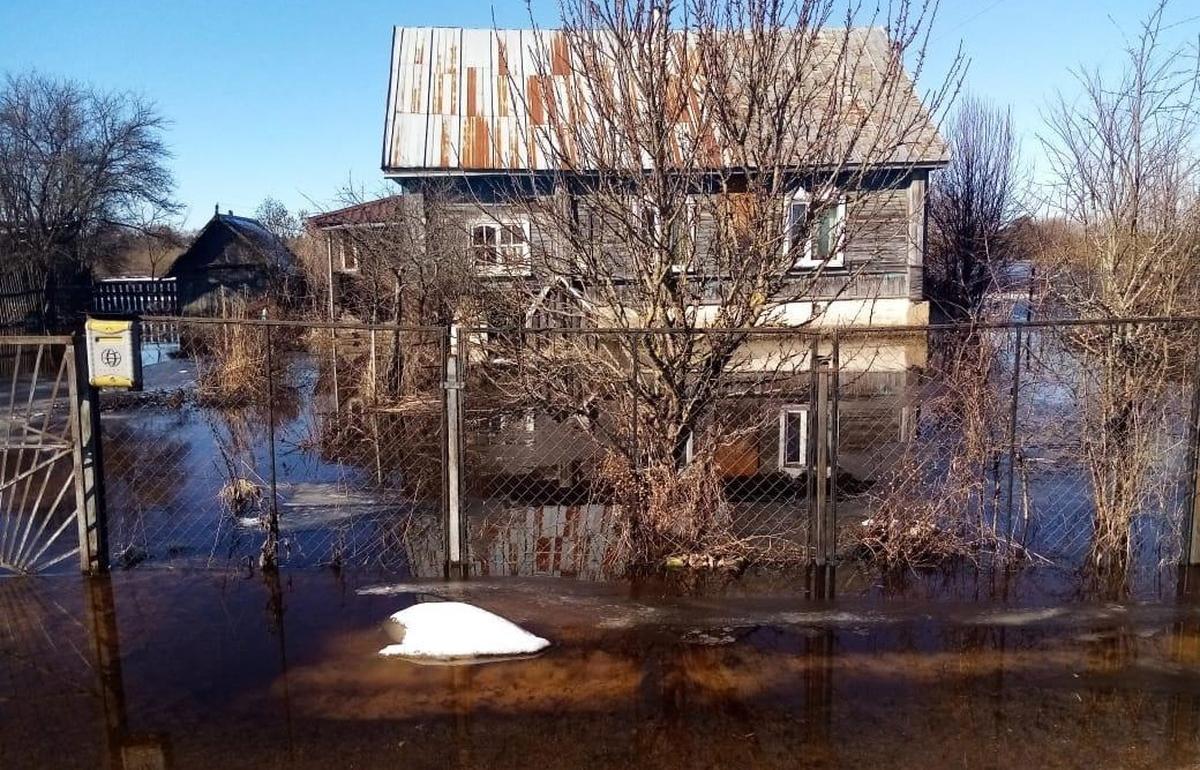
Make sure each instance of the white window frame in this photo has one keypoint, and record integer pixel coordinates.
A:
(506, 263)
(806, 261)
(784, 412)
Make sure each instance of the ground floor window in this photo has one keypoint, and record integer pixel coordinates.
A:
(793, 437)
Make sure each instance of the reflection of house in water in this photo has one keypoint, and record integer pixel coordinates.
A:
(551, 540)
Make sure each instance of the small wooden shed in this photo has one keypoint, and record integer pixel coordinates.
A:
(232, 256)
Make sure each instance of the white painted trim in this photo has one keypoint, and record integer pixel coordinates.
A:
(504, 268)
(784, 411)
(806, 261)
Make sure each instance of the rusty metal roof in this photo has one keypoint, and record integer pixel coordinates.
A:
(473, 100)
(374, 212)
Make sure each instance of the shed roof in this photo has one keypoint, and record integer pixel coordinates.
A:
(260, 247)
(373, 212)
(471, 100)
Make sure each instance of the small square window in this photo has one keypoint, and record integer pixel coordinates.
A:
(500, 246)
(814, 235)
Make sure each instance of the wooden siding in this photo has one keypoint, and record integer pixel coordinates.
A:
(883, 251)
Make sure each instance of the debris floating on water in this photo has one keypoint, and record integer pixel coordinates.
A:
(456, 630)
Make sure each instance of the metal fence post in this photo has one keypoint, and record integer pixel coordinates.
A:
(1012, 426)
(455, 564)
(832, 435)
(821, 467)
(635, 382)
(810, 454)
(88, 460)
(823, 523)
(1191, 524)
(270, 555)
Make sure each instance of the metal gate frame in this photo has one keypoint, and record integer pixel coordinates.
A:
(35, 443)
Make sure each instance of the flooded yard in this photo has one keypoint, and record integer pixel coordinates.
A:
(181, 669)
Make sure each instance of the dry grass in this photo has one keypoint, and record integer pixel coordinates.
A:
(679, 517)
(940, 501)
(381, 367)
(241, 496)
(233, 368)
(231, 359)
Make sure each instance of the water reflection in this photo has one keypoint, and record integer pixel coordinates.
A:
(157, 670)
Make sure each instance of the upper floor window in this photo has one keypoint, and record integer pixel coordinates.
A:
(345, 250)
(500, 246)
(815, 234)
(671, 229)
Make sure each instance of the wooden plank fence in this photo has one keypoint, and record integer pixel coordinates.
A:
(22, 300)
(136, 296)
(140, 296)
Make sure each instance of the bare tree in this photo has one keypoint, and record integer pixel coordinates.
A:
(411, 267)
(973, 206)
(275, 217)
(676, 135)
(1126, 175)
(76, 164)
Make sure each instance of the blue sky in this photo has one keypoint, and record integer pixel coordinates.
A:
(286, 98)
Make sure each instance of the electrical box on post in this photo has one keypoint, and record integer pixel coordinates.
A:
(114, 353)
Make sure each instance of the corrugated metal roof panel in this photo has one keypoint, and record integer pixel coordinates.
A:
(493, 100)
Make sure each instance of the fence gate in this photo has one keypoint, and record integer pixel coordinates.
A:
(43, 496)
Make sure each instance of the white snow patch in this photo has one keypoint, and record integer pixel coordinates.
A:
(446, 630)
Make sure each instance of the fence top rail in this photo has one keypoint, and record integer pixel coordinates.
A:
(839, 331)
(287, 323)
(128, 279)
(842, 331)
(25, 339)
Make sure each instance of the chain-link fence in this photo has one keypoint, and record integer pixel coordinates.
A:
(583, 451)
(903, 446)
(321, 444)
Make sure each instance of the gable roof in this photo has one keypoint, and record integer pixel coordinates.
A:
(258, 246)
(472, 100)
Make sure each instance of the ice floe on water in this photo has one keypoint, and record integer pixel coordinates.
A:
(447, 631)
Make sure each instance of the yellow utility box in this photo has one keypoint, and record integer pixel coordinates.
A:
(114, 353)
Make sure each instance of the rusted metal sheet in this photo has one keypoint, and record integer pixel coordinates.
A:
(494, 100)
(409, 96)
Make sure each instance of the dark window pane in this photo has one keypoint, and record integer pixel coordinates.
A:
(797, 213)
(794, 438)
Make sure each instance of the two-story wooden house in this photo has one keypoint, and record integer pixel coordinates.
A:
(496, 116)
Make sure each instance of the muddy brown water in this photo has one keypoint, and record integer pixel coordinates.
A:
(154, 669)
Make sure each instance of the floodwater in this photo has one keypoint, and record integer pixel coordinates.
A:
(178, 669)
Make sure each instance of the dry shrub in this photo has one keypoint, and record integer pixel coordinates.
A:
(233, 367)
(387, 366)
(940, 501)
(240, 496)
(669, 512)
(231, 358)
